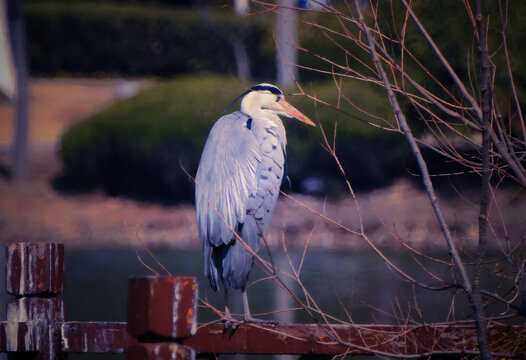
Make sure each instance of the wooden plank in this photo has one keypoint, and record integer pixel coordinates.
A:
(160, 350)
(302, 339)
(335, 340)
(75, 337)
(95, 337)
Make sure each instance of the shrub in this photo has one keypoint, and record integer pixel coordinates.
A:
(141, 147)
(83, 38)
(118, 39)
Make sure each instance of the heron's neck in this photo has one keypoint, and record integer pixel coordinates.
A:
(251, 105)
(266, 118)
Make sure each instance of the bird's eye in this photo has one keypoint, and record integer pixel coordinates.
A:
(278, 98)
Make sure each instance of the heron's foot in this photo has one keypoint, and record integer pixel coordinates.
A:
(230, 322)
(252, 320)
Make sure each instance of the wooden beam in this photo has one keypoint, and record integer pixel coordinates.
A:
(307, 339)
(301, 339)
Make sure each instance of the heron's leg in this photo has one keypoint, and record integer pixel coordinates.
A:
(246, 309)
(228, 318)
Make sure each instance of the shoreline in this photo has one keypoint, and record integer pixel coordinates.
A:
(34, 211)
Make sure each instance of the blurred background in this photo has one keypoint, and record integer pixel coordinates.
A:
(120, 96)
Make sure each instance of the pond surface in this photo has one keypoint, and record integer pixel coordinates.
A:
(358, 284)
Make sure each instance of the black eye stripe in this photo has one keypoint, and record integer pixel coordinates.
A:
(272, 89)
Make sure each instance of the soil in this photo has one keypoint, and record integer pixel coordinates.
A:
(33, 211)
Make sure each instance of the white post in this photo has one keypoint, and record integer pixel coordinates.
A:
(241, 7)
(287, 38)
(18, 42)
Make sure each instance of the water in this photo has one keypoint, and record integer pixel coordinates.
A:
(347, 285)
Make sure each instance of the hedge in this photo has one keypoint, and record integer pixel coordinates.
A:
(161, 38)
(126, 39)
(149, 146)
(111, 38)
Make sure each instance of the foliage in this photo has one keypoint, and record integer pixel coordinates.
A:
(83, 38)
(452, 30)
(166, 3)
(138, 147)
(118, 39)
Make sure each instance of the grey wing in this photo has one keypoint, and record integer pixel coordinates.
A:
(225, 180)
(236, 260)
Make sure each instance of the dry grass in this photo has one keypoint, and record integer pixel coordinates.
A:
(55, 104)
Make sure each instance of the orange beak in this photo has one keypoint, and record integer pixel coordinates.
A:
(295, 113)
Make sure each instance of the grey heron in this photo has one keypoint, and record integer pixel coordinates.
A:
(237, 186)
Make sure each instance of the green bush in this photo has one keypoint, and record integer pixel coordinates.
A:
(142, 147)
(124, 39)
(111, 38)
(451, 29)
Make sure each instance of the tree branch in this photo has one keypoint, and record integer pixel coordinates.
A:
(416, 151)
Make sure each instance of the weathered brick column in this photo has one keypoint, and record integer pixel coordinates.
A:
(162, 312)
(35, 275)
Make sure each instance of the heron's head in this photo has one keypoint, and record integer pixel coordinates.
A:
(267, 97)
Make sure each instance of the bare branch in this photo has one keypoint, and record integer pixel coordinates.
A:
(474, 104)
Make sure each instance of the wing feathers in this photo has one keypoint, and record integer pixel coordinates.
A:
(226, 177)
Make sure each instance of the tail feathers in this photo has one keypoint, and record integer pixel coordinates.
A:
(210, 267)
(232, 262)
(237, 260)
(213, 276)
